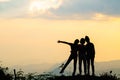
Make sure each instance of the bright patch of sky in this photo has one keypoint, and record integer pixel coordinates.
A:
(59, 9)
(4, 0)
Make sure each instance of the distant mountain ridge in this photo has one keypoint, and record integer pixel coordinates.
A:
(100, 67)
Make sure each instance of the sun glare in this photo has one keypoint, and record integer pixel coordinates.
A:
(44, 5)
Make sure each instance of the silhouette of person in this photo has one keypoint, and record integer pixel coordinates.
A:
(73, 55)
(90, 50)
(82, 55)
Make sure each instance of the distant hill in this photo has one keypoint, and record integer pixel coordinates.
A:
(31, 68)
(108, 66)
(100, 67)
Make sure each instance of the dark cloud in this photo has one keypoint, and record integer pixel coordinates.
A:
(89, 7)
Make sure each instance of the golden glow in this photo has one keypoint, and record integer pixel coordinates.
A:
(34, 41)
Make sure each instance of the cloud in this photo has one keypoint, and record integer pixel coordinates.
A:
(21, 8)
(62, 9)
(87, 8)
(13, 8)
(44, 6)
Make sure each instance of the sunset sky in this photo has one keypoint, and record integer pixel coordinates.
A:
(30, 29)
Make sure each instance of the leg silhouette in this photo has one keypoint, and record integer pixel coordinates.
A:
(68, 61)
(80, 66)
(74, 70)
(92, 65)
(88, 66)
(84, 62)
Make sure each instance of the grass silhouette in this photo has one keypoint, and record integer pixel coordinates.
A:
(105, 77)
(50, 76)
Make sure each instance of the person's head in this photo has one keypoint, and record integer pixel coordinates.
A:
(76, 41)
(87, 39)
(82, 40)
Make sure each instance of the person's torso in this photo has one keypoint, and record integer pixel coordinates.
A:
(74, 47)
(90, 49)
(82, 51)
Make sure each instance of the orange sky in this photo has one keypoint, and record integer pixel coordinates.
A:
(34, 41)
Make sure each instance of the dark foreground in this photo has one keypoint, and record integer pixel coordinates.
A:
(83, 78)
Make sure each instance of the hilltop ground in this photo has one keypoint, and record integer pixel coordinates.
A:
(84, 78)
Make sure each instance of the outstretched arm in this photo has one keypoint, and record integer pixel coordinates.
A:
(64, 42)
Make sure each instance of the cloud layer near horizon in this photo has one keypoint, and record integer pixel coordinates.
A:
(78, 9)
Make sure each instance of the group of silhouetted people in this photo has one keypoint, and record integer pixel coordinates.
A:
(85, 54)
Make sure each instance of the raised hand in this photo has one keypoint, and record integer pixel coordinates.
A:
(59, 41)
